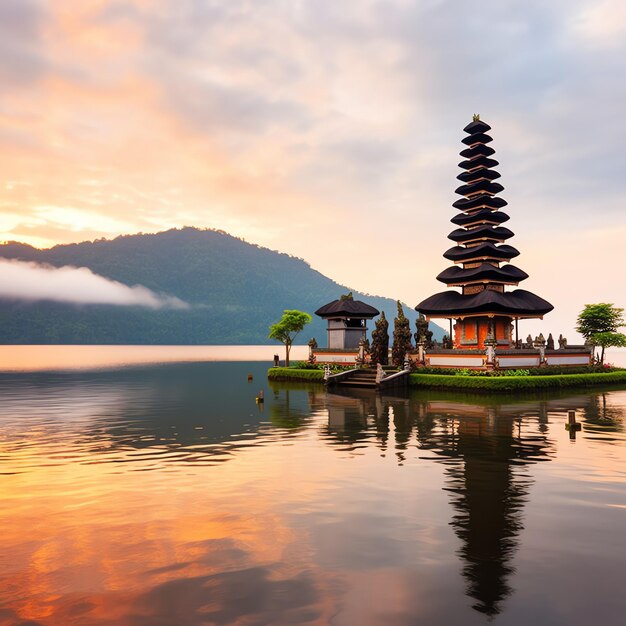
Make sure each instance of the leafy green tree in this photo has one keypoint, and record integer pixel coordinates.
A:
(608, 340)
(599, 324)
(379, 350)
(286, 329)
(401, 337)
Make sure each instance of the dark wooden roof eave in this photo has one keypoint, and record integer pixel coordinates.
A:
(515, 304)
(347, 308)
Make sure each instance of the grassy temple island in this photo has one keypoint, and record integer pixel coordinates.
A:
(494, 381)
(483, 349)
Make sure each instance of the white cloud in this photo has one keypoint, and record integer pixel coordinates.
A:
(21, 280)
(603, 23)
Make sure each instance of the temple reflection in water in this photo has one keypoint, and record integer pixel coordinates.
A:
(485, 449)
(355, 509)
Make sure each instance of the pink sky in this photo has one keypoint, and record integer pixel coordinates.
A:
(330, 131)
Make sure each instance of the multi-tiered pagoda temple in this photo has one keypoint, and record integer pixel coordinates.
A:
(484, 310)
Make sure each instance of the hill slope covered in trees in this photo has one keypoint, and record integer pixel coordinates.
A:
(235, 290)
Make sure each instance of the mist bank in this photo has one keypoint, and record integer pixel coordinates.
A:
(27, 281)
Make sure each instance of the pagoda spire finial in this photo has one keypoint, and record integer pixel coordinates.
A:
(476, 117)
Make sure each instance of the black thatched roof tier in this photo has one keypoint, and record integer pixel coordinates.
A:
(479, 241)
(347, 308)
(477, 126)
(515, 303)
(476, 138)
(482, 216)
(485, 271)
(481, 186)
(483, 172)
(483, 252)
(478, 150)
(479, 202)
(461, 235)
(479, 161)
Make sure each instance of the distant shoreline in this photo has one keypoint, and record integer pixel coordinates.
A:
(55, 357)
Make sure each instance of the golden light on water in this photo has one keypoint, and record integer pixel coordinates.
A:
(164, 494)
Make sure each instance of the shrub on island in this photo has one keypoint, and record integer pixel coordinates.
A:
(295, 374)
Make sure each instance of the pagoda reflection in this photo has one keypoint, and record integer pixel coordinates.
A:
(485, 452)
(485, 447)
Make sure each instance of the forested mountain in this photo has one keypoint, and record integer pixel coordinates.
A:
(235, 290)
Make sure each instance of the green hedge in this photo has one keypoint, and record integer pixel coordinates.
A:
(478, 383)
(544, 370)
(511, 383)
(288, 373)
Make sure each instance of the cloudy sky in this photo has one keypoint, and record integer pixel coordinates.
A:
(328, 130)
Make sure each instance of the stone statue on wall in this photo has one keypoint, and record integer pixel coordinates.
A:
(550, 343)
(326, 371)
(562, 342)
(540, 344)
(360, 360)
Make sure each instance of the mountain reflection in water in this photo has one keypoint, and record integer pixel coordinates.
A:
(167, 495)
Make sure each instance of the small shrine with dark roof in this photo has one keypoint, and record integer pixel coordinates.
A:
(483, 309)
(347, 321)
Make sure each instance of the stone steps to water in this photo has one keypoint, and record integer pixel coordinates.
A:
(363, 379)
(357, 383)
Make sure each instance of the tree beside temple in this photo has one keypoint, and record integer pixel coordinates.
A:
(379, 350)
(286, 329)
(401, 337)
(599, 324)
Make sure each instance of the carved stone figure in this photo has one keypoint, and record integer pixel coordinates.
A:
(360, 360)
(562, 342)
(550, 343)
(491, 352)
(326, 371)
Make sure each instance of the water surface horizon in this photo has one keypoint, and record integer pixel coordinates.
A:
(29, 358)
(24, 358)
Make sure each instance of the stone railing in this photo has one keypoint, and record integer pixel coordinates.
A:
(336, 356)
(505, 357)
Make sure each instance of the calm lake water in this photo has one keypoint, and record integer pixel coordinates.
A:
(163, 495)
